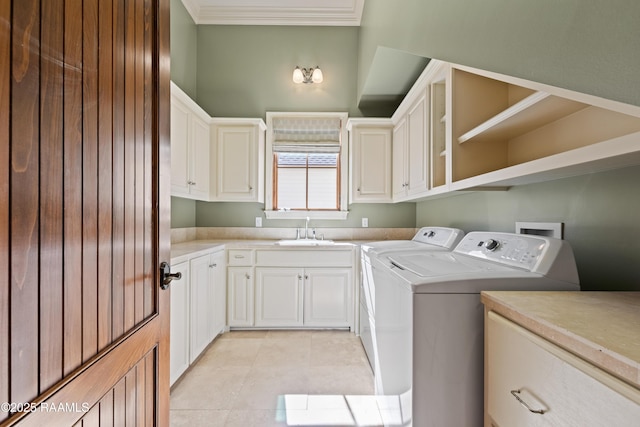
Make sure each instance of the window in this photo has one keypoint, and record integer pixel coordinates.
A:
(306, 175)
(306, 181)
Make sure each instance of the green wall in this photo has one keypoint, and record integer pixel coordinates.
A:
(184, 48)
(244, 71)
(600, 213)
(399, 215)
(586, 45)
(183, 212)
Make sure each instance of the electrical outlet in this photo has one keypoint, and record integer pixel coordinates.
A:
(258, 221)
(365, 222)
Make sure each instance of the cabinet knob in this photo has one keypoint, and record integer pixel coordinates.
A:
(299, 276)
(306, 276)
(213, 265)
(250, 188)
(247, 276)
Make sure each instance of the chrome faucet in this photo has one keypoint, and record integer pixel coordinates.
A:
(306, 228)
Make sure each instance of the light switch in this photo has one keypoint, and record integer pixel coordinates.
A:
(258, 221)
(365, 222)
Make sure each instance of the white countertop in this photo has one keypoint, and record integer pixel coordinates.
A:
(600, 327)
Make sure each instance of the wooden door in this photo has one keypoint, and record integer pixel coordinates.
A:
(84, 196)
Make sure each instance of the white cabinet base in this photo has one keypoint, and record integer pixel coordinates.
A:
(564, 389)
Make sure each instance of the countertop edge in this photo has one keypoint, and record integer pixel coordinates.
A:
(612, 362)
(184, 251)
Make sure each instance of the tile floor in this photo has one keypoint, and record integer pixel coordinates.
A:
(278, 378)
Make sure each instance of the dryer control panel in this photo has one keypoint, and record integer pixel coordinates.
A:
(516, 250)
(439, 236)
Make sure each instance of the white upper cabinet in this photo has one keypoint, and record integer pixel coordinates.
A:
(410, 151)
(190, 142)
(370, 150)
(238, 160)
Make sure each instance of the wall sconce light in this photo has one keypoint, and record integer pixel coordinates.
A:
(311, 75)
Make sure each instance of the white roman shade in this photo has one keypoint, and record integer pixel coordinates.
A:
(306, 135)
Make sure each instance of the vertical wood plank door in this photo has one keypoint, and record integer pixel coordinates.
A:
(84, 212)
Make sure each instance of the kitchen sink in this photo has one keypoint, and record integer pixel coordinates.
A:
(304, 242)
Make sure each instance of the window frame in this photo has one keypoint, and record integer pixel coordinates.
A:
(307, 167)
(270, 170)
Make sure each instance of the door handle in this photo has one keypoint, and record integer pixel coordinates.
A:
(166, 276)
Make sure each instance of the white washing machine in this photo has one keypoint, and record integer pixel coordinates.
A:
(429, 320)
(425, 239)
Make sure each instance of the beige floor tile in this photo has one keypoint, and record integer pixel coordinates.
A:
(340, 379)
(243, 335)
(205, 387)
(290, 352)
(331, 350)
(198, 418)
(232, 352)
(265, 386)
(256, 418)
(260, 378)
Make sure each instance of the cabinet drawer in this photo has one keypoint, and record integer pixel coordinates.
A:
(304, 258)
(570, 391)
(240, 257)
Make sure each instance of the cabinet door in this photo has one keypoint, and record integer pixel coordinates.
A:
(179, 148)
(279, 296)
(328, 297)
(200, 306)
(179, 347)
(399, 180)
(219, 290)
(417, 156)
(371, 164)
(236, 163)
(240, 296)
(199, 156)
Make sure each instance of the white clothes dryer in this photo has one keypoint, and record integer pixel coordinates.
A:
(429, 320)
(425, 239)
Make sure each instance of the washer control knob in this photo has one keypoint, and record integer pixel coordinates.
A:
(492, 245)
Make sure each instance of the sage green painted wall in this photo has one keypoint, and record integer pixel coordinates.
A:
(600, 212)
(586, 45)
(398, 215)
(183, 212)
(244, 71)
(184, 48)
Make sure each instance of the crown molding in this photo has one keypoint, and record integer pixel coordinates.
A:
(278, 12)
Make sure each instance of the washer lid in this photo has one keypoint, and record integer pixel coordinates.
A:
(437, 264)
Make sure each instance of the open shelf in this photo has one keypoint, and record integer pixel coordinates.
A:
(499, 125)
(533, 112)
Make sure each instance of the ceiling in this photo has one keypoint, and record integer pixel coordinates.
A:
(391, 74)
(276, 12)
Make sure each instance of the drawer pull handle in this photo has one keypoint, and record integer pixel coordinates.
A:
(515, 393)
(238, 256)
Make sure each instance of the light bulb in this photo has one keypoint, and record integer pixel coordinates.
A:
(298, 77)
(317, 76)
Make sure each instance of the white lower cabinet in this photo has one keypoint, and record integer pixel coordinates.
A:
(327, 296)
(240, 296)
(530, 381)
(179, 317)
(198, 309)
(291, 289)
(200, 306)
(279, 294)
(218, 285)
